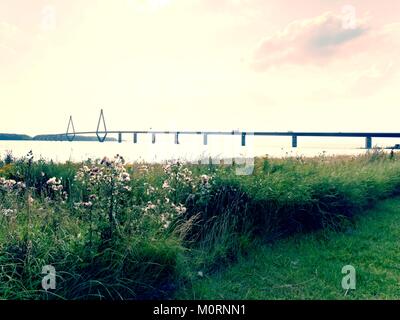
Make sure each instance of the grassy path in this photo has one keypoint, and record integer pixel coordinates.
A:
(309, 266)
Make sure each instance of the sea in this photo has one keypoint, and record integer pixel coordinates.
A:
(190, 148)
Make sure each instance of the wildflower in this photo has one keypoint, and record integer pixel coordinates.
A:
(119, 159)
(79, 176)
(58, 187)
(166, 224)
(165, 185)
(88, 204)
(127, 188)
(21, 185)
(165, 220)
(180, 209)
(150, 190)
(83, 204)
(29, 156)
(10, 183)
(167, 168)
(7, 184)
(7, 212)
(150, 205)
(52, 181)
(106, 161)
(205, 179)
(125, 177)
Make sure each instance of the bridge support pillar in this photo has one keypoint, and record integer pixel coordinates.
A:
(205, 139)
(368, 142)
(294, 141)
(177, 138)
(153, 138)
(243, 139)
(119, 137)
(135, 137)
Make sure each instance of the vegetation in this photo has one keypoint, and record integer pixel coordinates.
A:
(13, 136)
(309, 266)
(48, 137)
(63, 137)
(135, 231)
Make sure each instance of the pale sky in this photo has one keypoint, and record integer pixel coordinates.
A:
(200, 64)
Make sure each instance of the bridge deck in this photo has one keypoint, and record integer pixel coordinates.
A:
(255, 133)
(101, 135)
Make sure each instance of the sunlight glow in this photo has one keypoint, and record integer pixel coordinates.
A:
(148, 5)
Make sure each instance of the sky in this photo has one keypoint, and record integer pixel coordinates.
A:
(279, 65)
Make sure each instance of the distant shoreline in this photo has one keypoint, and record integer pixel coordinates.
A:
(55, 137)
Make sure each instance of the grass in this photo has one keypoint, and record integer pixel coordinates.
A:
(136, 231)
(309, 266)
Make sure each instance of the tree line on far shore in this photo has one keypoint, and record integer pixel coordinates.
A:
(52, 137)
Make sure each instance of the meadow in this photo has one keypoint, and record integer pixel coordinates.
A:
(309, 266)
(114, 230)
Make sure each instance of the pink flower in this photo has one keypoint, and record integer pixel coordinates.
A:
(165, 185)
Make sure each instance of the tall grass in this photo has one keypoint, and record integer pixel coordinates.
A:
(136, 231)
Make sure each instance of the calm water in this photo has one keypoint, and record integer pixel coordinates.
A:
(191, 148)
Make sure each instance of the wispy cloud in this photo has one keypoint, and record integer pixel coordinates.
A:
(307, 41)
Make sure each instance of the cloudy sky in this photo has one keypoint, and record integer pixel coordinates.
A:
(200, 64)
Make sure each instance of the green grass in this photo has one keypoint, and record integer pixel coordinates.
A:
(135, 231)
(309, 266)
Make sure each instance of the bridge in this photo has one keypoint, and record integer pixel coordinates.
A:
(102, 134)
